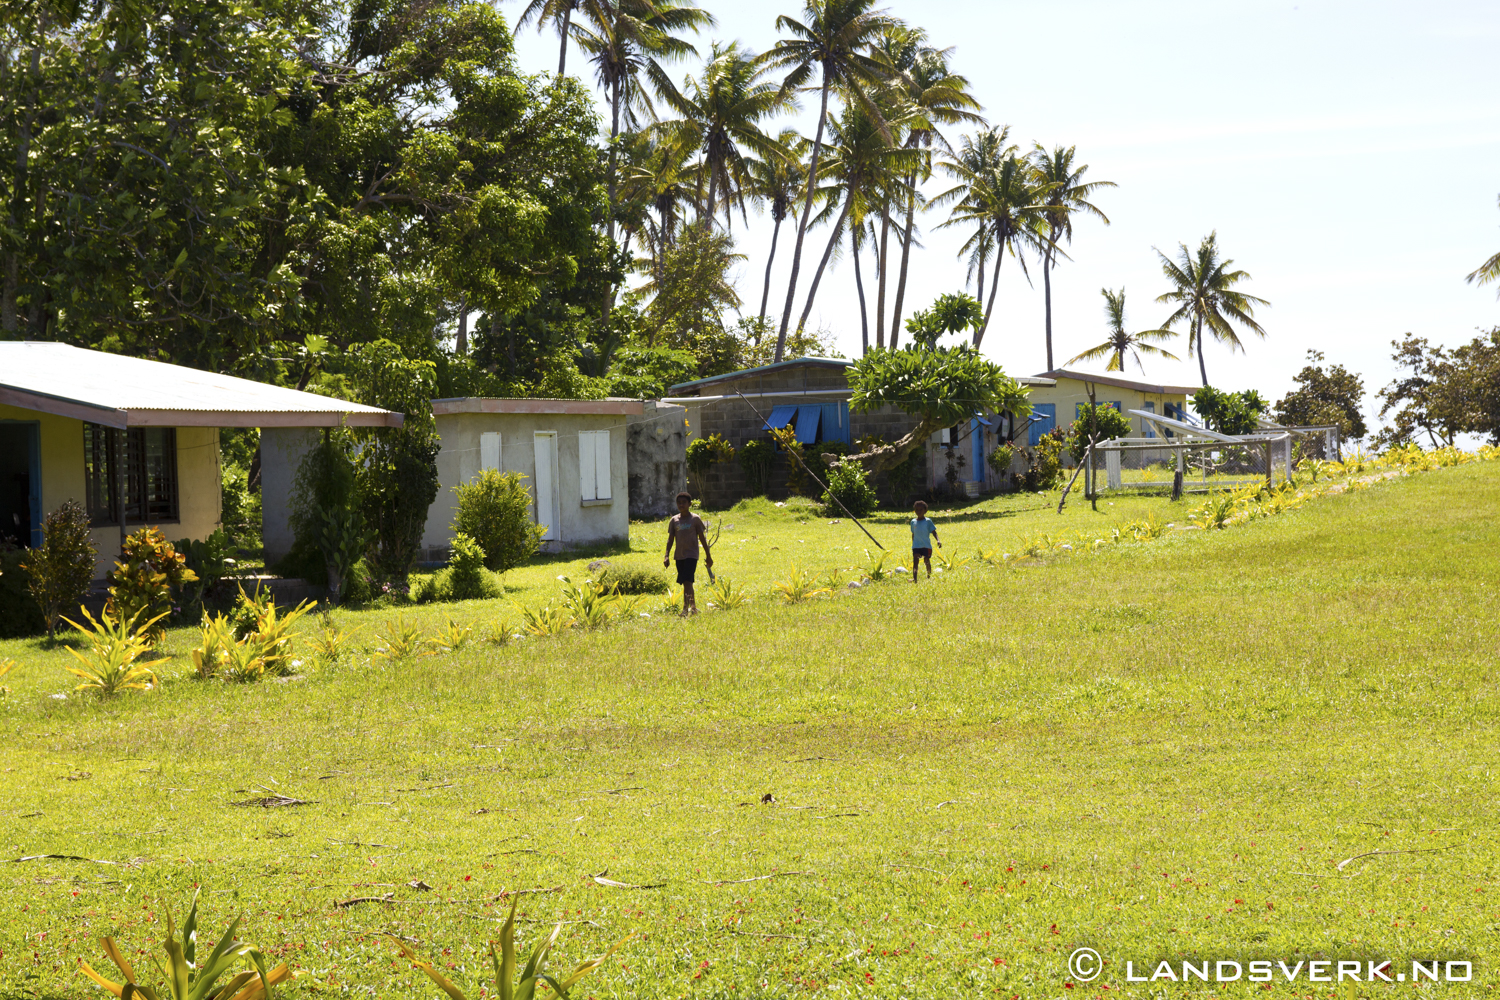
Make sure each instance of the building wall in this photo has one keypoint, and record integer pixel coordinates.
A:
(198, 479)
(737, 421)
(281, 452)
(458, 462)
(656, 450)
(1070, 393)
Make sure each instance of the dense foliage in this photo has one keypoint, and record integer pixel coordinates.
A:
(1324, 397)
(61, 570)
(1229, 412)
(1106, 424)
(494, 510)
(1443, 393)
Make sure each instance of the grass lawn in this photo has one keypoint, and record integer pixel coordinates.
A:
(1161, 750)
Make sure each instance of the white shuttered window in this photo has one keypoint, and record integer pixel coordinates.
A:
(593, 465)
(489, 451)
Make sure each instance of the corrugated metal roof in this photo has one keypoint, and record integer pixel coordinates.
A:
(120, 391)
(762, 369)
(1121, 382)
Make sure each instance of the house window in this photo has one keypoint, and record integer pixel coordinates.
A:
(1150, 407)
(150, 474)
(593, 465)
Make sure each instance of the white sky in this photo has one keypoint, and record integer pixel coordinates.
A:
(1348, 153)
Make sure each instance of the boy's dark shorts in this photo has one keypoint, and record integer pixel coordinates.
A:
(921, 553)
(686, 570)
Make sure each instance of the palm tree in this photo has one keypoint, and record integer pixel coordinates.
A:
(832, 38)
(1203, 288)
(860, 171)
(777, 180)
(933, 96)
(1487, 272)
(975, 159)
(625, 40)
(558, 12)
(1120, 342)
(721, 115)
(655, 177)
(1008, 199)
(1070, 194)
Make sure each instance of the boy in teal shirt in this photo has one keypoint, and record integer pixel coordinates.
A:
(923, 534)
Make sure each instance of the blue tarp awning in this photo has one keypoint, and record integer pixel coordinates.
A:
(780, 417)
(807, 423)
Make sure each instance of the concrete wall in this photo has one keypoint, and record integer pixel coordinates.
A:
(656, 450)
(458, 462)
(281, 452)
(198, 479)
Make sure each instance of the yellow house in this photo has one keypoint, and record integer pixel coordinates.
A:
(1060, 404)
(135, 441)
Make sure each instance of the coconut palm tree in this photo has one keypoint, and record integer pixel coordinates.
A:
(1203, 289)
(558, 12)
(831, 39)
(860, 171)
(1069, 196)
(777, 181)
(721, 113)
(1487, 272)
(655, 177)
(1005, 197)
(976, 158)
(1121, 343)
(627, 40)
(934, 96)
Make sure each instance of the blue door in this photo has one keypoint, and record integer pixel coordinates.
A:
(1048, 413)
(836, 422)
(976, 459)
(21, 482)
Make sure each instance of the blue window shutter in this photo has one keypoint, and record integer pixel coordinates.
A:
(807, 423)
(780, 417)
(1048, 413)
(836, 422)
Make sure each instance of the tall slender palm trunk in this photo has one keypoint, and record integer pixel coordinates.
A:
(614, 152)
(859, 285)
(765, 294)
(562, 54)
(1047, 295)
(1198, 335)
(812, 291)
(906, 238)
(989, 310)
(885, 232)
(812, 186)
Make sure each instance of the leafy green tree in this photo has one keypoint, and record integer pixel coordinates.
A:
(939, 387)
(649, 372)
(396, 476)
(1443, 393)
(695, 287)
(1067, 195)
(1103, 423)
(951, 313)
(832, 39)
(1324, 397)
(1120, 343)
(1229, 412)
(1203, 288)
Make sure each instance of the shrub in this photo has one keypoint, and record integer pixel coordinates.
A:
(325, 481)
(1229, 412)
(847, 485)
(756, 457)
(1045, 471)
(342, 539)
(112, 662)
(190, 977)
(466, 572)
(798, 586)
(62, 569)
(704, 452)
(494, 509)
(438, 588)
(233, 650)
(20, 615)
(239, 510)
(1109, 423)
(633, 580)
(210, 561)
(141, 584)
(1000, 458)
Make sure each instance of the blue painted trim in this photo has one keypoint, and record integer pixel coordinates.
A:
(1048, 414)
(780, 417)
(807, 423)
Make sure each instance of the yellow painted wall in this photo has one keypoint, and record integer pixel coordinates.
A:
(198, 478)
(1069, 394)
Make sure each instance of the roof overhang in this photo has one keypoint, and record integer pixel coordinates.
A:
(1120, 383)
(577, 407)
(107, 416)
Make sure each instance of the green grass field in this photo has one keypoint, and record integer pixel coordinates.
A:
(1161, 750)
